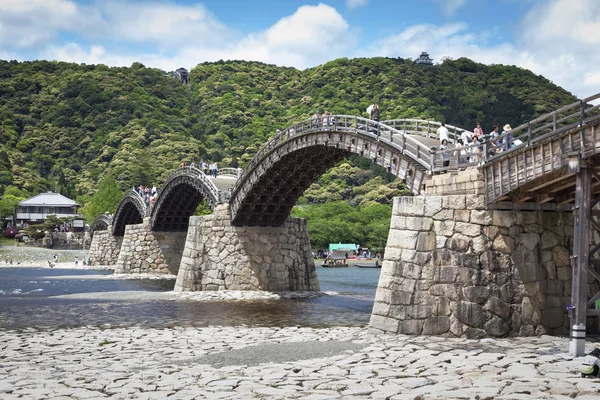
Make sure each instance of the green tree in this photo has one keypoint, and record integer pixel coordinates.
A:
(11, 198)
(104, 200)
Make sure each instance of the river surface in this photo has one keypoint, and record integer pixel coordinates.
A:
(30, 298)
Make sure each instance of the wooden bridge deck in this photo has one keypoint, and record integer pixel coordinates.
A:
(534, 174)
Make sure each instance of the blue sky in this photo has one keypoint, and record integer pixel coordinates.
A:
(535, 34)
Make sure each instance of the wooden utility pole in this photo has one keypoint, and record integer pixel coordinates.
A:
(581, 250)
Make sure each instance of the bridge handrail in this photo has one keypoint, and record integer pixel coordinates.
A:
(544, 126)
(426, 128)
(134, 193)
(420, 153)
(235, 172)
(102, 218)
(188, 170)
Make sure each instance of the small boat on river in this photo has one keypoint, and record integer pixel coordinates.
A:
(373, 265)
(334, 265)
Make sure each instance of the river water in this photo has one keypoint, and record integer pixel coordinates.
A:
(33, 298)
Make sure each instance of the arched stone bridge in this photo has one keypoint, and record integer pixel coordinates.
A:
(291, 161)
(175, 202)
(303, 152)
(476, 256)
(101, 223)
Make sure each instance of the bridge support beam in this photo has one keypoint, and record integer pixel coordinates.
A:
(219, 256)
(454, 268)
(144, 251)
(581, 255)
(105, 248)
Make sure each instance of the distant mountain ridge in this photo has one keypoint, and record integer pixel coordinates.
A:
(63, 126)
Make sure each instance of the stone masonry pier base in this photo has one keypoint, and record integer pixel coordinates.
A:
(219, 256)
(454, 268)
(144, 251)
(104, 249)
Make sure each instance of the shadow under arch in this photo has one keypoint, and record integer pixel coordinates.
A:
(101, 223)
(179, 198)
(131, 210)
(288, 164)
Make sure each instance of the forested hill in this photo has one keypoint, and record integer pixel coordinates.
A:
(64, 126)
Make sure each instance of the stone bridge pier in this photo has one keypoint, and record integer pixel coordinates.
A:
(146, 251)
(105, 248)
(452, 267)
(219, 256)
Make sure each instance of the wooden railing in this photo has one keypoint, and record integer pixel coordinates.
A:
(400, 134)
(217, 196)
(424, 128)
(233, 172)
(137, 198)
(99, 222)
(569, 117)
(420, 153)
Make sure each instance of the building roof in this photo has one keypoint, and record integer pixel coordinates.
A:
(48, 199)
(424, 59)
(341, 247)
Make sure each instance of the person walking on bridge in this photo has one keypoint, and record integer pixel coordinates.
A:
(506, 140)
(466, 137)
(373, 111)
(442, 133)
(478, 132)
(316, 118)
(374, 115)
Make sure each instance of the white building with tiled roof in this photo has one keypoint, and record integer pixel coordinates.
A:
(37, 208)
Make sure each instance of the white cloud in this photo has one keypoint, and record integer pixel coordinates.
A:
(166, 24)
(31, 23)
(185, 35)
(561, 38)
(449, 7)
(545, 44)
(298, 40)
(4, 55)
(26, 24)
(356, 3)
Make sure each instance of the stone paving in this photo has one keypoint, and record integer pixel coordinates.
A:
(283, 363)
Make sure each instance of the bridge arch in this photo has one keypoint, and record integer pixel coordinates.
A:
(101, 223)
(130, 210)
(291, 161)
(179, 197)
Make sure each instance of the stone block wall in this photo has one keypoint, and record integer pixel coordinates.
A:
(219, 256)
(144, 251)
(454, 268)
(470, 181)
(105, 248)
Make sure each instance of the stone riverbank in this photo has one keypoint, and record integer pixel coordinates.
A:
(283, 363)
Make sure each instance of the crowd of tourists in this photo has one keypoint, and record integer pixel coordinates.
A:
(324, 120)
(209, 168)
(147, 194)
(470, 145)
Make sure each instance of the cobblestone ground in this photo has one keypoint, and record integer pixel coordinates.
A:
(281, 363)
